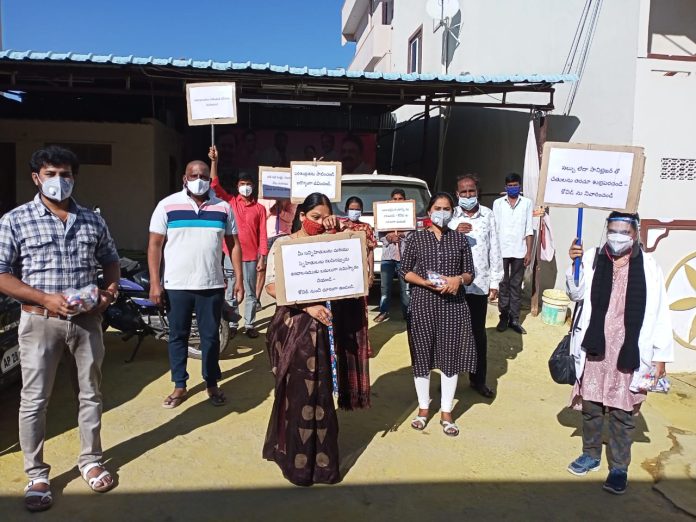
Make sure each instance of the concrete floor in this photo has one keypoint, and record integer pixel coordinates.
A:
(198, 462)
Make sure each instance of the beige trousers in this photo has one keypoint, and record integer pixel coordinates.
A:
(42, 343)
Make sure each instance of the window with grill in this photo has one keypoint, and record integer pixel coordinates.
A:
(678, 169)
(415, 51)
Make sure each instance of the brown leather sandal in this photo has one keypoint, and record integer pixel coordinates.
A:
(172, 401)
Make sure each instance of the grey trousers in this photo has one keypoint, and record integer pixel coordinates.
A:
(42, 343)
(621, 426)
(510, 291)
(249, 280)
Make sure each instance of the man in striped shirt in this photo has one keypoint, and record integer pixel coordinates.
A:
(194, 223)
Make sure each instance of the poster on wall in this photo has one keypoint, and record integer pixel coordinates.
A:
(245, 150)
(321, 268)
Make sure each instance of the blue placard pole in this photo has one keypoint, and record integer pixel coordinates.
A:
(578, 242)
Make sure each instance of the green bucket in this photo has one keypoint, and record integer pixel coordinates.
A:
(554, 307)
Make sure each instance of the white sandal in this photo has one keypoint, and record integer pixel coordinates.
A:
(419, 423)
(91, 481)
(447, 426)
(43, 495)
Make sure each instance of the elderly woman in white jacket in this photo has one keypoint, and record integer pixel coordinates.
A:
(622, 333)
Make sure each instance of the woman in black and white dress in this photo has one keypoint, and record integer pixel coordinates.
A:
(437, 263)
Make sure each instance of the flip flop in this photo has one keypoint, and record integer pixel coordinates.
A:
(172, 402)
(45, 497)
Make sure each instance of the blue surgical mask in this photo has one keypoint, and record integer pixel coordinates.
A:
(468, 203)
(441, 218)
(354, 215)
(513, 192)
(57, 188)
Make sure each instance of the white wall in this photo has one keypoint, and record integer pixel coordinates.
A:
(509, 37)
(624, 98)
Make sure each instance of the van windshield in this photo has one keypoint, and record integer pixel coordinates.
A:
(371, 192)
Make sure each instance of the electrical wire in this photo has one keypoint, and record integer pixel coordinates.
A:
(586, 37)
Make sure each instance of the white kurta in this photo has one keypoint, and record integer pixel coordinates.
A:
(655, 339)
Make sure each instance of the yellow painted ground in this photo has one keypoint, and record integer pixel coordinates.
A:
(198, 462)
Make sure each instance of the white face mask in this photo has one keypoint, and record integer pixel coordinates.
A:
(57, 188)
(246, 190)
(618, 243)
(198, 187)
(354, 215)
(440, 218)
(468, 203)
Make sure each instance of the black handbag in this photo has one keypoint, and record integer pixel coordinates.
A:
(562, 362)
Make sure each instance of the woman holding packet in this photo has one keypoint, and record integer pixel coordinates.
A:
(437, 262)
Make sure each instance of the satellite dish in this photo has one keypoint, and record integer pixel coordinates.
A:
(440, 9)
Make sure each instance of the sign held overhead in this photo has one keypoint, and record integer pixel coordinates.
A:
(211, 103)
(579, 175)
(315, 176)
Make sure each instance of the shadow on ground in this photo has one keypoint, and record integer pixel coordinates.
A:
(121, 382)
(580, 499)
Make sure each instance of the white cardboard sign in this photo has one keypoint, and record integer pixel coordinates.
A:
(591, 176)
(321, 268)
(274, 183)
(211, 103)
(319, 176)
(394, 215)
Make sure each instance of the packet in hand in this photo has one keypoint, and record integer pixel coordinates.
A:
(436, 278)
(82, 300)
(646, 382)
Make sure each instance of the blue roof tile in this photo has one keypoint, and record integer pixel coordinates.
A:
(10, 55)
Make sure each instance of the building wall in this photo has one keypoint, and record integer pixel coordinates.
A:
(624, 98)
(665, 123)
(125, 191)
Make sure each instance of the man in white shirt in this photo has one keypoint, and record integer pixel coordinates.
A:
(193, 223)
(478, 223)
(513, 219)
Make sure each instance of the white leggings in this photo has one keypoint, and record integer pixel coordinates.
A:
(448, 385)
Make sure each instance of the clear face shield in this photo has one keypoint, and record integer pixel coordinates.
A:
(620, 236)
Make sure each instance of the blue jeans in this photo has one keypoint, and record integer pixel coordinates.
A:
(388, 269)
(249, 280)
(208, 307)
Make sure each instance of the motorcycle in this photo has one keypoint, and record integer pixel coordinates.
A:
(134, 315)
(10, 312)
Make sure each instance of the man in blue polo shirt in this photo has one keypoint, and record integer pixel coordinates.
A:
(194, 224)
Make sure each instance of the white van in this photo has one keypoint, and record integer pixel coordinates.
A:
(378, 187)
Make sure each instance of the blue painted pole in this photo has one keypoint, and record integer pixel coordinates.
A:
(578, 242)
(332, 354)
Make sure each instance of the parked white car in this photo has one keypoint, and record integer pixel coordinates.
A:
(378, 187)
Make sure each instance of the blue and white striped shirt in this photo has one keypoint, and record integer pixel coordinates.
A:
(50, 255)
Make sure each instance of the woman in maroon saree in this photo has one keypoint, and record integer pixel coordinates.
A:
(302, 436)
